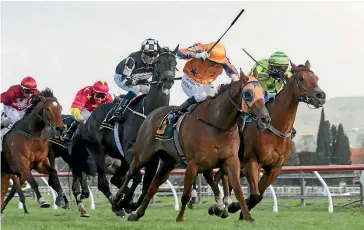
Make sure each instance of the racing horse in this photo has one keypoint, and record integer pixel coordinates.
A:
(270, 149)
(214, 142)
(25, 146)
(117, 141)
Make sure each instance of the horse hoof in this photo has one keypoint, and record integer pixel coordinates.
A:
(84, 215)
(234, 207)
(133, 217)
(218, 212)
(224, 214)
(211, 211)
(45, 204)
(120, 213)
(249, 219)
(179, 220)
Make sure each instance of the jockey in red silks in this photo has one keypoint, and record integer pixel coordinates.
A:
(18, 97)
(86, 101)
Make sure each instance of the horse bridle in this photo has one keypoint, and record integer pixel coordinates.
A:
(237, 107)
(160, 80)
(44, 118)
(249, 113)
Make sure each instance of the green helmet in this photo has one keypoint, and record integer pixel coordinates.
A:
(278, 59)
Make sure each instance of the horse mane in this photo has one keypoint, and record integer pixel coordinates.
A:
(47, 92)
(222, 88)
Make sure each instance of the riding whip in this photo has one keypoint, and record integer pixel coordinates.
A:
(236, 18)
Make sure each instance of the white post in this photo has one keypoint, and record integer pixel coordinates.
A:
(92, 204)
(52, 191)
(331, 207)
(176, 203)
(275, 202)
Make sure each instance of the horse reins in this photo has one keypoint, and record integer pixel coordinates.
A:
(242, 113)
(44, 118)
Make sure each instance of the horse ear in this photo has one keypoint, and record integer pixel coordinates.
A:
(243, 77)
(307, 64)
(176, 50)
(294, 67)
(159, 48)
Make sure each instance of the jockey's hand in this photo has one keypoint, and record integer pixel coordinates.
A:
(202, 55)
(130, 82)
(142, 82)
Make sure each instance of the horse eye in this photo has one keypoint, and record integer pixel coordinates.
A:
(301, 78)
(247, 94)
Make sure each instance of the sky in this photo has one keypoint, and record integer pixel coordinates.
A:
(70, 45)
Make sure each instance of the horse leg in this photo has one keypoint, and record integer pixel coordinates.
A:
(34, 185)
(76, 178)
(162, 175)
(5, 177)
(150, 172)
(194, 196)
(137, 178)
(232, 166)
(10, 196)
(252, 169)
(267, 179)
(53, 181)
(190, 177)
(218, 208)
(17, 186)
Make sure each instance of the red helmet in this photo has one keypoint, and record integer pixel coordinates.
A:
(29, 83)
(101, 87)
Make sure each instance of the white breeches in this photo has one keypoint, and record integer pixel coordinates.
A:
(13, 114)
(85, 113)
(197, 90)
(136, 89)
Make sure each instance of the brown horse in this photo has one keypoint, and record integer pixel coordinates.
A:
(270, 149)
(208, 136)
(25, 146)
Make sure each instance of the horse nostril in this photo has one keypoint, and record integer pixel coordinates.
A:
(320, 95)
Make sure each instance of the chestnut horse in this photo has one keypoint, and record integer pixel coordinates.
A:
(208, 136)
(25, 146)
(271, 148)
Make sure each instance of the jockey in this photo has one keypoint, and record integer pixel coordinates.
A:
(272, 75)
(18, 97)
(87, 100)
(201, 70)
(133, 72)
(275, 69)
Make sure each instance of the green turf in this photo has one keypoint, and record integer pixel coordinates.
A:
(162, 216)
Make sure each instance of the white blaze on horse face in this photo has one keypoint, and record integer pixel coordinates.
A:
(55, 104)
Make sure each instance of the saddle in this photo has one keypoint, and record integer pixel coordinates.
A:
(106, 124)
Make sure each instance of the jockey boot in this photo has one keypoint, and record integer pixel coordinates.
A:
(71, 130)
(184, 107)
(119, 111)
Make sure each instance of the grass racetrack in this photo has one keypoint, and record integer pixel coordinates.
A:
(161, 215)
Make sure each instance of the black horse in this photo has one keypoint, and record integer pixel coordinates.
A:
(117, 142)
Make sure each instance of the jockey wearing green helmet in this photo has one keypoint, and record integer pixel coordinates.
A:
(275, 68)
(271, 74)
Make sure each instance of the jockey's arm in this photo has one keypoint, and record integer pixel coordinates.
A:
(124, 70)
(190, 52)
(230, 70)
(7, 96)
(78, 104)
